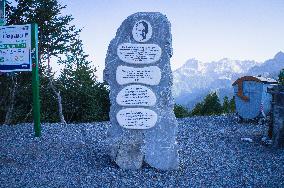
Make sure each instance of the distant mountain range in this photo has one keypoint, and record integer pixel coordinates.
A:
(195, 79)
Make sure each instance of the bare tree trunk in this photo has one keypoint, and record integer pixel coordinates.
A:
(56, 93)
(28, 114)
(59, 102)
(8, 117)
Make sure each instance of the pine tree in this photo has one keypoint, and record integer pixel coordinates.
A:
(232, 105)
(55, 37)
(55, 31)
(85, 99)
(180, 111)
(198, 109)
(212, 104)
(281, 77)
(209, 106)
(226, 105)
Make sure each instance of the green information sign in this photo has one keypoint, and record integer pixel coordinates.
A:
(15, 48)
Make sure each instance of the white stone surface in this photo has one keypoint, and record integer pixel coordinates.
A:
(136, 95)
(147, 75)
(136, 118)
(139, 53)
(142, 31)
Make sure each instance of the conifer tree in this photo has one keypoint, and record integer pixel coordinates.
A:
(198, 109)
(56, 37)
(209, 106)
(226, 105)
(180, 111)
(85, 99)
(232, 105)
(281, 77)
(212, 104)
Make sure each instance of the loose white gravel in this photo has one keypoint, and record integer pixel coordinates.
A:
(212, 154)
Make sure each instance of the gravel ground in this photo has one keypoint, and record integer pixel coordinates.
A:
(213, 153)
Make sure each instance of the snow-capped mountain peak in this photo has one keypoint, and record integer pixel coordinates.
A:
(279, 56)
(195, 79)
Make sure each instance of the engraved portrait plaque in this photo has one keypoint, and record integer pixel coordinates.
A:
(136, 118)
(136, 95)
(142, 31)
(139, 53)
(150, 75)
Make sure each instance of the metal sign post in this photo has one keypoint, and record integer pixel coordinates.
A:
(35, 80)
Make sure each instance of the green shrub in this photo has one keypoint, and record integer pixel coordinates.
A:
(180, 111)
(209, 106)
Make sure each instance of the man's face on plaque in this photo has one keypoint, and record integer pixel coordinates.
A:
(141, 31)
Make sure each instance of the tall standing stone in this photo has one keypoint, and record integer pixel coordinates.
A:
(143, 125)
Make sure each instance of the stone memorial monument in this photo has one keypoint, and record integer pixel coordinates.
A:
(143, 124)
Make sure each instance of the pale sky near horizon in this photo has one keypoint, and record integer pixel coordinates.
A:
(207, 30)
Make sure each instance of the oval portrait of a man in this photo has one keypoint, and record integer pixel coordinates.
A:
(142, 31)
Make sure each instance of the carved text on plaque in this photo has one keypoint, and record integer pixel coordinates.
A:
(139, 53)
(136, 95)
(147, 75)
(136, 118)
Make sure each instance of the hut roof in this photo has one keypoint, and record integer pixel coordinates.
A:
(256, 79)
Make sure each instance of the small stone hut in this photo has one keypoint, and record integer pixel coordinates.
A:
(251, 96)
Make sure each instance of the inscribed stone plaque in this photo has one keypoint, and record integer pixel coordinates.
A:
(136, 95)
(136, 118)
(139, 56)
(139, 53)
(150, 75)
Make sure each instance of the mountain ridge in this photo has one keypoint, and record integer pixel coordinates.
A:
(195, 79)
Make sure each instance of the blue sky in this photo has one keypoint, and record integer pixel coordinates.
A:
(207, 30)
